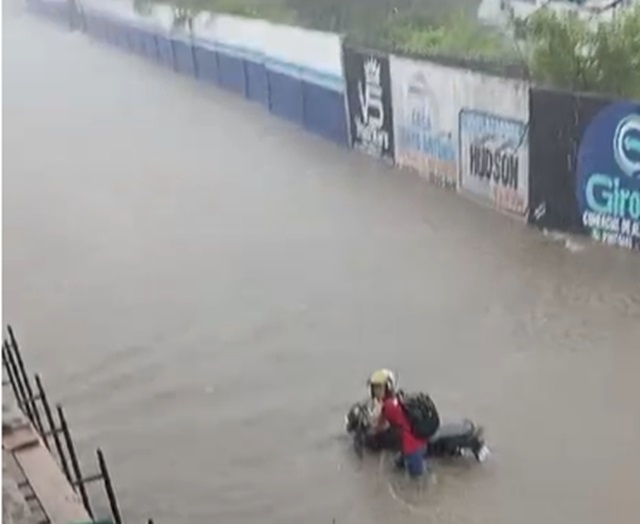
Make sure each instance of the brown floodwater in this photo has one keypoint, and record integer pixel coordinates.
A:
(206, 288)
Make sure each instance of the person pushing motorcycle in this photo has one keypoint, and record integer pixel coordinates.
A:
(392, 420)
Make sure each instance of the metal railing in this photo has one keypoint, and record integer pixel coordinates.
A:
(58, 431)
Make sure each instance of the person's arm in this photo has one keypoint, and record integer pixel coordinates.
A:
(380, 422)
(373, 412)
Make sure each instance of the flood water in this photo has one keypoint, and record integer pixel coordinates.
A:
(206, 288)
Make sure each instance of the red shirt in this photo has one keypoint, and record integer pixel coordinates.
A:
(393, 413)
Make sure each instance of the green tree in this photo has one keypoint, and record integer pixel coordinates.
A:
(454, 33)
(572, 52)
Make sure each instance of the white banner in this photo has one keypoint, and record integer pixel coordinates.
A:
(463, 129)
(494, 142)
(426, 102)
(494, 160)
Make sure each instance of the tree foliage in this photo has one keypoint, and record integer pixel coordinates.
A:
(454, 33)
(576, 53)
(562, 50)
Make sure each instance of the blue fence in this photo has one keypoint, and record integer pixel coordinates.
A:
(232, 73)
(258, 88)
(286, 96)
(207, 64)
(183, 56)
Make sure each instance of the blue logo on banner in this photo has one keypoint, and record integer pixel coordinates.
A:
(608, 175)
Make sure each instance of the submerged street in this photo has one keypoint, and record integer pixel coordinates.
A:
(206, 289)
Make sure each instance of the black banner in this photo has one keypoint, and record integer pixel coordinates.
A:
(369, 98)
(585, 166)
(557, 120)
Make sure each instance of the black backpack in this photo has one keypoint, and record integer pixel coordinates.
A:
(422, 414)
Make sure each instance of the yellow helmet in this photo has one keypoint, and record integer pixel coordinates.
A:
(383, 377)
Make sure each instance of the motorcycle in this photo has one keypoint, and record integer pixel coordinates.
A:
(452, 439)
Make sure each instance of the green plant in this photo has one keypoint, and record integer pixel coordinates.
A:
(560, 50)
(454, 34)
(144, 7)
(575, 53)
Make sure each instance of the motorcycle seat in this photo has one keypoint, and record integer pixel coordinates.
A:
(453, 429)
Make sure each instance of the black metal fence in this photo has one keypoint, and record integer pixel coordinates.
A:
(35, 405)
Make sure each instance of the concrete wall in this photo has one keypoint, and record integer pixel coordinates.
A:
(464, 130)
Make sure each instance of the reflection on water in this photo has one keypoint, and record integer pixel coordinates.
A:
(206, 290)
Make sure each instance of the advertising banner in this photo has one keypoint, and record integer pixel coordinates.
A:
(585, 165)
(426, 101)
(553, 132)
(608, 175)
(368, 85)
(493, 142)
(493, 163)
